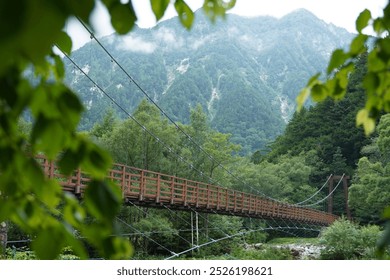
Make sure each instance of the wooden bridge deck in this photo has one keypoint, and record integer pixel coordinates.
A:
(152, 189)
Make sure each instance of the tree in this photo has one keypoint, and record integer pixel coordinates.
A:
(370, 191)
(28, 31)
(135, 144)
(376, 81)
(106, 126)
(208, 149)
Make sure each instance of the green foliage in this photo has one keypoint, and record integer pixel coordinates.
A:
(341, 65)
(346, 240)
(24, 253)
(337, 132)
(370, 191)
(29, 29)
(286, 179)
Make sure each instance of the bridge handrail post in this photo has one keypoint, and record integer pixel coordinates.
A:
(185, 192)
(242, 201)
(123, 183)
(78, 181)
(197, 195)
(141, 185)
(51, 169)
(218, 197)
(46, 167)
(235, 201)
(158, 188)
(227, 199)
(208, 196)
(172, 189)
(256, 205)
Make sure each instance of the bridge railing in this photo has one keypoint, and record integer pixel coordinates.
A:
(150, 187)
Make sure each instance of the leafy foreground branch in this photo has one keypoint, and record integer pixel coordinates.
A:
(29, 29)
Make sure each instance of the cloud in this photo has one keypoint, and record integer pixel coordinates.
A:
(136, 44)
(168, 37)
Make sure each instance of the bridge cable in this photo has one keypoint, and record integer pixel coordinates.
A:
(155, 219)
(151, 239)
(187, 221)
(299, 203)
(224, 238)
(319, 201)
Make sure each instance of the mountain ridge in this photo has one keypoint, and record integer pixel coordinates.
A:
(245, 72)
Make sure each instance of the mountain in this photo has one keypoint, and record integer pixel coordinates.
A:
(245, 72)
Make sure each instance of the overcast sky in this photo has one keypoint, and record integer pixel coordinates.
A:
(342, 13)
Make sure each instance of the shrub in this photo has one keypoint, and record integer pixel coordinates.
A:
(346, 240)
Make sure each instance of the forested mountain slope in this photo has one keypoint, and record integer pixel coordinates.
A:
(245, 72)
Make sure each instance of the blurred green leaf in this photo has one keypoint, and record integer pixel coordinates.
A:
(103, 200)
(82, 9)
(371, 81)
(386, 213)
(384, 241)
(70, 107)
(48, 243)
(59, 67)
(362, 118)
(116, 248)
(64, 42)
(305, 92)
(159, 7)
(362, 20)
(73, 212)
(337, 59)
(186, 15)
(318, 92)
(123, 17)
(217, 8)
(42, 136)
(96, 161)
(358, 44)
(69, 161)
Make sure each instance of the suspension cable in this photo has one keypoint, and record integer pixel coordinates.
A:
(316, 191)
(319, 201)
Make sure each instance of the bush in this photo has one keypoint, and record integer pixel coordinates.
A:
(345, 240)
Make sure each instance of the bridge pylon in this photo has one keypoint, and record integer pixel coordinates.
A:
(336, 178)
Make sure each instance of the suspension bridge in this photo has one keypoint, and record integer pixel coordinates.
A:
(152, 189)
